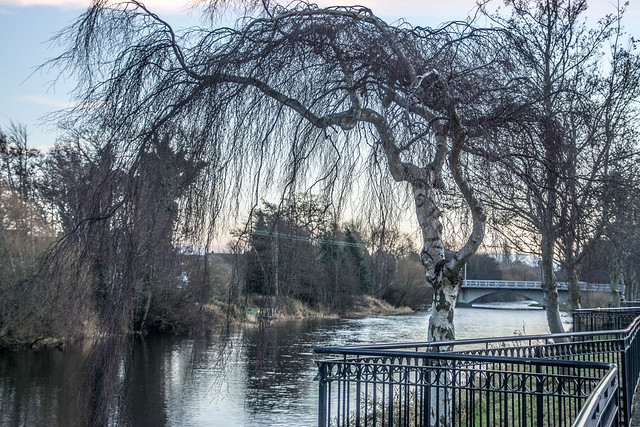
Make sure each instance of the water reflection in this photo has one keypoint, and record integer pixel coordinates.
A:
(36, 388)
(262, 377)
(147, 383)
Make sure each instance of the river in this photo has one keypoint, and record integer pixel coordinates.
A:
(261, 378)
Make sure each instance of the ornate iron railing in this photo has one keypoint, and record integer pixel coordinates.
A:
(387, 388)
(620, 347)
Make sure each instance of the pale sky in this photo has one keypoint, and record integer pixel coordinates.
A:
(26, 25)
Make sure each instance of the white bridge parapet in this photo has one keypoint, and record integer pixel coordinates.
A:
(474, 289)
(514, 284)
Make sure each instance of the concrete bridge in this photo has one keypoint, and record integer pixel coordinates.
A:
(475, 289)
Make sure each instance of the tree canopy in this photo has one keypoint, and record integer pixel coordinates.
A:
(289, 100)
(298, 98)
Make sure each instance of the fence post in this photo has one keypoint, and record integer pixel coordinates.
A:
(626, 389)
(322, 393)
(539, 390)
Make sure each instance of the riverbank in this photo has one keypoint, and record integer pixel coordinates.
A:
(285, 309)
(218, 314)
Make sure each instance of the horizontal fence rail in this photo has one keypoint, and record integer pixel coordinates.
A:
(600, 408)
(603, 319)
(615, 346)
(630, 303)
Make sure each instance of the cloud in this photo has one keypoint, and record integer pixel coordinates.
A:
(417, 12)
(59, 3)
(173, 6)
(44, 100)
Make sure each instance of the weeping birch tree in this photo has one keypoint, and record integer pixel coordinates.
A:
(297, 97)
(290, 100)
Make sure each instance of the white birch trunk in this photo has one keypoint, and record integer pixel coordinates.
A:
(445, 294)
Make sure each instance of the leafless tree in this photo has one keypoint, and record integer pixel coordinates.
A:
(618, 250)
(297, 98)
(564, 135)
(19, 160)
(30, 310)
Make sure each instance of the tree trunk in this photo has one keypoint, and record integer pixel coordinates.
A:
(445, 294)
(441, 328)
(445, 291)
(630, 281)
(276, 264)
(550, 287)
(615, 282)
(615, 294)
(147, 306)
(574, 288)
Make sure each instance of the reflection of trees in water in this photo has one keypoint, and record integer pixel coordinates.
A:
(39, 388)
(276, 372)
(180, 369)
(169, 377)
(146, 403)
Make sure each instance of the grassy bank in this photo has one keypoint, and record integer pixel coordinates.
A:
(290, 309)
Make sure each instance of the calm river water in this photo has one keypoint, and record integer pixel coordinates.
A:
(260, 379)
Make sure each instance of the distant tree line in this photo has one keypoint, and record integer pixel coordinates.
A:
(48, 207)
(527, 125)
(295, 249)
(298, 249)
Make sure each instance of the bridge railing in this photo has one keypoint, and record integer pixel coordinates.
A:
(620, 347)
(515, 284)
(501, 284)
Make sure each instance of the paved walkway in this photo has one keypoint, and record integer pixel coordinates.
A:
(635, 414)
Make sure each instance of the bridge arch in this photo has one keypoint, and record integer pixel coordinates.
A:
(472, 295)
(472, 290)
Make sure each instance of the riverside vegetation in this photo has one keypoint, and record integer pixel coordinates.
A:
(296, 257)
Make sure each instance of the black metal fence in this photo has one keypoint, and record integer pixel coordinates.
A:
(386, 388)
(604, 319)
(618, 346)
(634, 303)
(601, 407)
